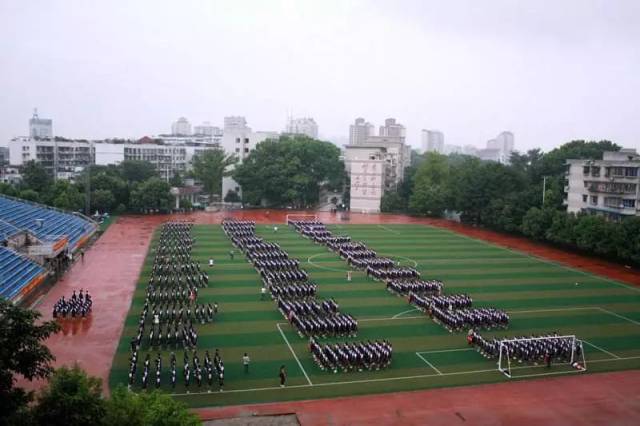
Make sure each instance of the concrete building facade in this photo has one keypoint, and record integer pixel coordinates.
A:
(360, 131)
(609, 187)
(302, 126)
(432, 141)
(61, 158)
(181, 127)
(40, 128)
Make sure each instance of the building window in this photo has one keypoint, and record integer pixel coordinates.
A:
(584, 198)
(631, 172)
(595, 171)
(246, 140)
(629, 203)
(238, 150)
(237, 140)
(585, 170)
(246, 150)
(237, 189)
(594, 200)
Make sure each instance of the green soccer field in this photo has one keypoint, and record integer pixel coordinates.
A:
(540, 297)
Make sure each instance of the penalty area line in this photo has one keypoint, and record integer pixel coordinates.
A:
(294, 354)
(421, 376)
(429, 364)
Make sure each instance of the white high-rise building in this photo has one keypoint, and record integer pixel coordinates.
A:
(392, 129)
(360, 131)
(181, 127)
(432, 141)
(40, 128)
(303, 126)
(206, 129)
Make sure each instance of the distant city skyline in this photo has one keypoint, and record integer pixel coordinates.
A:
(497, 65)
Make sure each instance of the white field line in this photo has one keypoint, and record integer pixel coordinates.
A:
(600, 349)
(326, 268)
(396, 316)
(428, 363)
(619, 316)
(446, 350)
(294, 355)
(550, 262)
(387, 379)
(389, 229)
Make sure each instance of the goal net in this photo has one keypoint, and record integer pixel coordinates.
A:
(526, 356)
(298, 217)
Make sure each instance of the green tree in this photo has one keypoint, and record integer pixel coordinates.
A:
(29, 195)
(71, 398)
(536, 222)
(137, 170)
(290, 172)
(22, 351)
(35, 177)
(152, 194)
(210, 167)
(140, 409)
(102, 200)
(430, 189)
(232, 197)
(8, 189)
(392, 202)
(176, 180)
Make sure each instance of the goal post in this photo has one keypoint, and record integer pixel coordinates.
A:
(299, 216)
(510, 354)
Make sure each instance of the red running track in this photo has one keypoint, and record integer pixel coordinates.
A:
(112, 266)
(598, 399)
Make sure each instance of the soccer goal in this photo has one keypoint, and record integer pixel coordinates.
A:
(296, 217)
(565, 351)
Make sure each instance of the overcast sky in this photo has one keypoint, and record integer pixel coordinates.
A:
(550, 71)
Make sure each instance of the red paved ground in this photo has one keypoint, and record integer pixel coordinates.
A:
(112, 266)
(598, 399)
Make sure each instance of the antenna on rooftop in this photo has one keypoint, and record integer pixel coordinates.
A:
(35, 113)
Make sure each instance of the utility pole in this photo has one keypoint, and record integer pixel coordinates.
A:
(544, 188)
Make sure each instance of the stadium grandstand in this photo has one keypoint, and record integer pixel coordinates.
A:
(35, 239)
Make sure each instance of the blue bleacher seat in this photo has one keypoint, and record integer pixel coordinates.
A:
(41, 220)
(16, 272)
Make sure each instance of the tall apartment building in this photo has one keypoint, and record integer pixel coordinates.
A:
(40, 128)
(240, 140)
(360, 131)
(432, 141)
(499, 149)
(392, 129)
(181, 127)
(609, 187)
(302, 126)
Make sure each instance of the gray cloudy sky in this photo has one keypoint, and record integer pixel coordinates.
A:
(548, 70)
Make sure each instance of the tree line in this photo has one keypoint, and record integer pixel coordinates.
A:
(289, 171)
(509, 198)
(131, 186)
